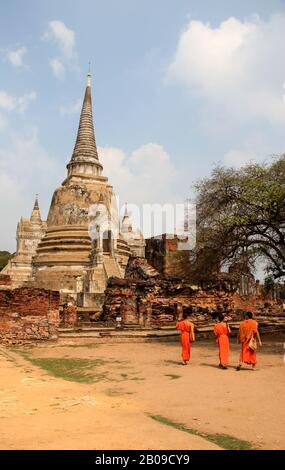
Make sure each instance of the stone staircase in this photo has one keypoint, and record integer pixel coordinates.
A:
(97, 278)
(111, 267)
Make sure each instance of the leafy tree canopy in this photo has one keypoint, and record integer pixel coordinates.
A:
(242, 211)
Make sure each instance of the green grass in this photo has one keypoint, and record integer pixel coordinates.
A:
(222, 440)
(173, 376)
(76, 369)
(71, 369)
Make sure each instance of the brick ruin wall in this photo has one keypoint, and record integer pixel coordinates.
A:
(5, 281)
(28, 315)
(160, 302)
(163, 254)
(163, 301)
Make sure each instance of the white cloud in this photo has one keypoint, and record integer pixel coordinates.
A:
(25, 152)
(72, 109)
(24, 101)
(146, 176)
(257, 147)
(7, 102)
(3, 122)
(237, 158)
(16, 57)
(10, 103)
(57, 68)
(237, 67)
(26, 168)
(63, 37)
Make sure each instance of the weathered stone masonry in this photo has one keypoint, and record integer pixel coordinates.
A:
(162, 301)
(28, 315)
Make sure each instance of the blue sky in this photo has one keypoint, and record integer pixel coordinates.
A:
(177, 87)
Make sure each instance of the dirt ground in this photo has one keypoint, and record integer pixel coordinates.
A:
(128, 383)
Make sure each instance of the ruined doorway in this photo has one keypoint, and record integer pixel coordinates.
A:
(107, 241)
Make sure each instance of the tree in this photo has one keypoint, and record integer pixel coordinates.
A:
(4, 258)
(242, 211)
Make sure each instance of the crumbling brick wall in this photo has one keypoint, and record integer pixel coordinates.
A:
(158, 302)
(163, 253)
(69, 314)
(163, 301)
(28, 315)
(5, 281)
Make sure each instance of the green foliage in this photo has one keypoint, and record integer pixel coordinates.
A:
(268, 284)
(242, 211)
(222, 440)
(4, 258)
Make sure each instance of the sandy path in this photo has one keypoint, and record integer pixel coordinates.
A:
(42, 412)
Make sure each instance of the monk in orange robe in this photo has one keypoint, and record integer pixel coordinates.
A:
(222, 332)
(186, 327)
(248, 329)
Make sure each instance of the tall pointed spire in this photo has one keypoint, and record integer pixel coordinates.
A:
(36, 215)
(36, 204)
(126, 223)
(84, 160)
(85, 145)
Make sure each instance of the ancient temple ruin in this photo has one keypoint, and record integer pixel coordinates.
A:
(82, 244)
(84, 264)
(29, 233)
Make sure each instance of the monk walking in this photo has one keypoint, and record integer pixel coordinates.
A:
(186, 327)
(222, 332)
(248, 330)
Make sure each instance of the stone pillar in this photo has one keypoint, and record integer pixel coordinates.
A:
(79, 284)
(148, 311)
(142, 312)
(97, 247)
(179, 311)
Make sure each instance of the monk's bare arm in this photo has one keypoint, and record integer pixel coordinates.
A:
(192, 334)
(259, 339)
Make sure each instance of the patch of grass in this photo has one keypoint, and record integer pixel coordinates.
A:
(173, 376)
(222, 440)
(74, 370)
(71, 369)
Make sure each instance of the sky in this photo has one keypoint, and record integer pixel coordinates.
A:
(178, 86)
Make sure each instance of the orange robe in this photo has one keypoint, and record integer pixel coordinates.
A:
(247, 329)
(185, 327)
(221, 331)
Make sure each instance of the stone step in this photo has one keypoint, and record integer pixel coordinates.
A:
(111, 267)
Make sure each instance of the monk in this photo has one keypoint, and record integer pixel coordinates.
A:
(222, 332)
(186, 327)
(248, 329)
